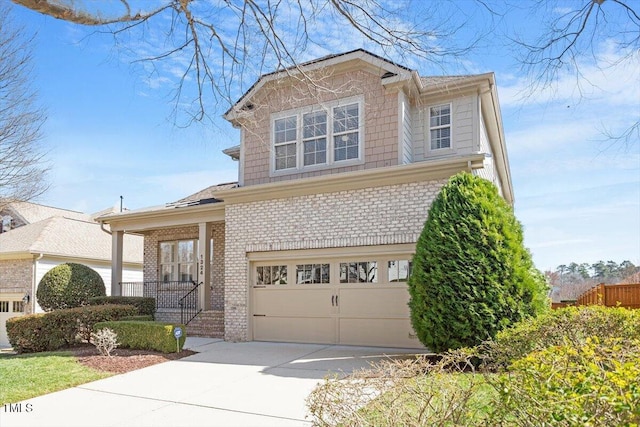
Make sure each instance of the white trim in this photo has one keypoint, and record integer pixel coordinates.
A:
(331, 163)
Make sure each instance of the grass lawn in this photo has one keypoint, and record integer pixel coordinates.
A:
(30, 375)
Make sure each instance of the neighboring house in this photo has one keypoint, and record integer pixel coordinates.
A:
(336, 176)
(42, 237)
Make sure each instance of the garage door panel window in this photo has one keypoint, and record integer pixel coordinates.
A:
(18, 306)
(312, 273)
(4, 306)
(399, 270)
(271, 275)
(359, 272)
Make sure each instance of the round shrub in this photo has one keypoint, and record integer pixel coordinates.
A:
(472, 275)
(69, 285)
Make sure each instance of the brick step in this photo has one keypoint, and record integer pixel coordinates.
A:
(207, 324)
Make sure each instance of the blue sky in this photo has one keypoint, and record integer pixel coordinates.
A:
(109, 133)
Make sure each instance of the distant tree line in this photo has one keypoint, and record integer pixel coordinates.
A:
(568, 281)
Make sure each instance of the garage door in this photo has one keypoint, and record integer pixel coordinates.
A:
(360, 300)
(10, 306)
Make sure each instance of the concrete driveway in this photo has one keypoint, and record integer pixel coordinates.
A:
(225, 384)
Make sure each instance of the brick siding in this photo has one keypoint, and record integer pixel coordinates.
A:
(152, 252)
(372, 216)
(16, 276)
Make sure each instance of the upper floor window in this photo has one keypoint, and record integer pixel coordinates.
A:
(317, 136)
(285, 140)
(440, 126)
(178, 260)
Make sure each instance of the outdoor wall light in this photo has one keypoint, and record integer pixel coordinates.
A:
(26, 298)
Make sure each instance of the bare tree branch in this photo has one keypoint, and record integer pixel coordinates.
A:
(22, 169)
(220, 46)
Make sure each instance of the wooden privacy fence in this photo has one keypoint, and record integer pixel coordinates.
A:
(612, 295)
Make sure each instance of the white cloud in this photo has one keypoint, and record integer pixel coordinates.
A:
(613, 80)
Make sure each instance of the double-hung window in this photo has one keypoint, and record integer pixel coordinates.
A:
(314, 138)
(178, 260)
(345, 132)
(440, 126)
(317, 136)
(285, 142)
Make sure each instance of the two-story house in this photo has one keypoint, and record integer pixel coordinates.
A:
(339, 161)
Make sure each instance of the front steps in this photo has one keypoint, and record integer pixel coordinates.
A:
(208, 324)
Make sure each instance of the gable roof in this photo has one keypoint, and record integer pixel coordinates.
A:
(391, 68)
(67, 237)
(29, 212)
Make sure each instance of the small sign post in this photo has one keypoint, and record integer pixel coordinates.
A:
(177, 332)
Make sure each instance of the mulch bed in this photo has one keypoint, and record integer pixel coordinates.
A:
(123, 359)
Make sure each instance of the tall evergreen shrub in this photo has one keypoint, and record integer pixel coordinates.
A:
(472, 275)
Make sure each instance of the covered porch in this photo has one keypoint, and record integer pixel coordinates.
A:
(183, 259)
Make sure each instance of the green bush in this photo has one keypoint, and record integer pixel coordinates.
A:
(145, 318)
(32, 333)
(156, 336)
(69, 285)
(570, 324)
(146, 305)
(588, 384)
(472, 275)
(53, 330)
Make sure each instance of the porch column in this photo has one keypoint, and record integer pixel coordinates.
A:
(117, 238)
(204, 265)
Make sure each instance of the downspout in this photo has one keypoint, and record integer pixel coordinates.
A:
(103, 229)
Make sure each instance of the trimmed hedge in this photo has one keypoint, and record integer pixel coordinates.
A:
(141, 318)
(69, 285)
(146, 305)
(145, 335)
(53, 330)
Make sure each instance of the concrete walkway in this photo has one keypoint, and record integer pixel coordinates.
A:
(225, 384)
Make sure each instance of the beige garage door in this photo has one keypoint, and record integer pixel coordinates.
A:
(10, 306)
(353, 301)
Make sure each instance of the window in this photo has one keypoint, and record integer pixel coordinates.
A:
(271, 275)
(285, 140)
(178, 260)
(312, 273)
(18, 306)
(345, 132)
(325, 136)
(314, 138)
(359, 272)
(399, 271)
(440, 126)
(4, 306)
